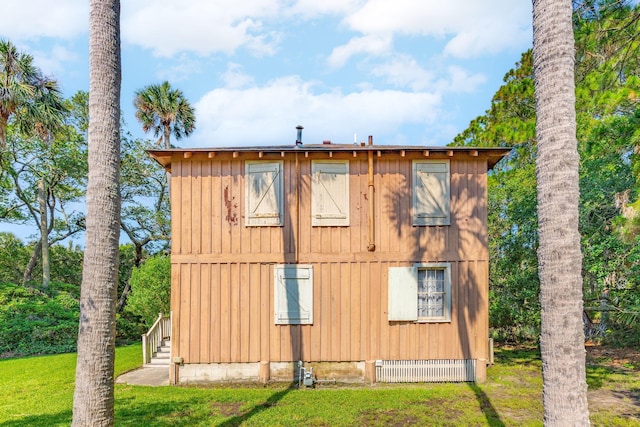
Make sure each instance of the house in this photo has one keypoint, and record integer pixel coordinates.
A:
(365, 262)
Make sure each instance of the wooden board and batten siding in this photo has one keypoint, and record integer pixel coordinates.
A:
(225, 256)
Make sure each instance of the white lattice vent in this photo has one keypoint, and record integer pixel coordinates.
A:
(415, 371)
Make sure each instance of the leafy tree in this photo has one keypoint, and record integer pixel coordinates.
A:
(94, 395)
(47, 178)
(13, 257)
(608, 134)
(35, 105)
(145, 204)
(513, 235)
(165, 111)
(150, 289)
(29, 98)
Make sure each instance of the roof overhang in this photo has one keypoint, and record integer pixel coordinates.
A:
(492, 154)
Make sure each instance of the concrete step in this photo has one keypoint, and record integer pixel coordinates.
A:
(160, 362)
(162, 356)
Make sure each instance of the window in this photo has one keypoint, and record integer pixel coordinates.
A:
(293, 294)
(330, 193)
(420, 293)
(431, 192)
(263, 201)
(431, 293)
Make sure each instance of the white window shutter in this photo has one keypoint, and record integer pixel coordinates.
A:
(431, 192)
(263, 198)
(403, 293)
(293, 294)
(330, 193)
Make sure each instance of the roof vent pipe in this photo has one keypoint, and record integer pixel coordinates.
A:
(299, 136)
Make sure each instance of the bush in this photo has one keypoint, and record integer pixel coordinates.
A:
(34, 322)
(150, 289)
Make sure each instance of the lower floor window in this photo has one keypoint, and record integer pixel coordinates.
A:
(431, 293)
(420, 293)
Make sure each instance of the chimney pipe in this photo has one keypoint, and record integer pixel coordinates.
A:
(299, 136)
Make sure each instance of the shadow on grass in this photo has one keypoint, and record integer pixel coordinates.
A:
(59, 418)
(487, 408)
(271, 401)
(194, 411)
(598, 375)
(518, 355)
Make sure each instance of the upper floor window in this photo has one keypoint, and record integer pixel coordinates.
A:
(330, 193)
(264, 199)
(431, 192)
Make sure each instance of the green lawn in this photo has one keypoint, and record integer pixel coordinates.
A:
(38, 391)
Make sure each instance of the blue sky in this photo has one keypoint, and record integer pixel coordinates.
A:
(405, 71)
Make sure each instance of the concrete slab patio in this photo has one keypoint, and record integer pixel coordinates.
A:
(152, 376)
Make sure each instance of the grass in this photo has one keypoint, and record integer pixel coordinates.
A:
(39, 391)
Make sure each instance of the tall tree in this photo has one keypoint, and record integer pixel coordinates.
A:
(93, 398)
(34, 103)
(559, 255)
(145, 204)
(32, 100)
(165, 111)
(57, 167)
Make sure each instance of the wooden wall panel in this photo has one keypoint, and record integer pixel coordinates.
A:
(184, 313)
(222, 275)
(194, 312)
(350, 322)
(216, 308)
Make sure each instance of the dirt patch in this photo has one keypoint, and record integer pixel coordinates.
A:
(619, 358)
(431, 406)
(623, 403)
(182, 414)
(228, 409)
(389, 418)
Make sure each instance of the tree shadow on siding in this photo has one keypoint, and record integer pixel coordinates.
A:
(465, 231)
(291, 220)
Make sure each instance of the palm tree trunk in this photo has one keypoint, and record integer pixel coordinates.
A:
(3, 132)
(93, 398)
(559, 255)
(44, 234)
(167, 137)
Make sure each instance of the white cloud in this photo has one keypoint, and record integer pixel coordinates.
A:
(263, 115)
(372, 44)
(235, 77)
(404, 71)
(475, 27)
(200, 26)
(460, 80)
(54, 61)
(313, 8)
(25, 20)
(180, 69)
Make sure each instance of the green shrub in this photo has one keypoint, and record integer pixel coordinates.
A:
(129, 328)
(150, 289)
(35, 322)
